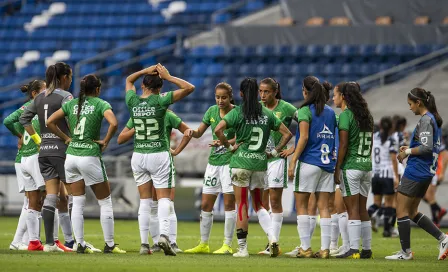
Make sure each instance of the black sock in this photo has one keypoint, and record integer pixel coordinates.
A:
(388, 213)
(48, 217)
(380, 211)
(241, 234)
(425, 223)
(404, 228)
(372, 209)
(435, 210)
(394, 218)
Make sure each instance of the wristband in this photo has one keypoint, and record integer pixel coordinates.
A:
(274, 153)
(230, 148)
(408, 151)
(36, 138)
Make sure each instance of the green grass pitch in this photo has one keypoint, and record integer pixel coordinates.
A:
(127, 236)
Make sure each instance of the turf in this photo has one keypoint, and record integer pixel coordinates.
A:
(127, 235)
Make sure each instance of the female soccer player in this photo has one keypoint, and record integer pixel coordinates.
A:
(420, 169)
(354, 159)
(252, 124)
(147, 213)
(275, 179)
(83, 165)
(29, 177)
(151, 158)
(217, 174)
(317, 123)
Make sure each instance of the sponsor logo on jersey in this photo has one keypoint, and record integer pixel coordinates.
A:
(85, 109)
(49, 147)
(263, 120)
(81, 145)
(49, 136)
(325, 133)
(143, 111)
(276, 180)
(143, 103)
(148, 145)
(163, 94)
(212, 120)
(278, 114)
(424, 140)
(255, 156)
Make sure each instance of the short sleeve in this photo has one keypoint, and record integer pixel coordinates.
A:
(276, 123)
(67, 98)
(206, 118)
(66, 108)
(291, 110)
(174, 120)
(304, 114)
(130, 124)
(393, 145)
(132, 98)
(105, 106)
(166, 99)
(231, 118)
(344, 121)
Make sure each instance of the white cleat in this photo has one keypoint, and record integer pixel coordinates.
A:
(89, 245)
(293, 253)
(334, 251)
(53, 248)
(18, 246)
(443, 248)
(340, 251)
(242, 253)
(401, 256)
(266, 251)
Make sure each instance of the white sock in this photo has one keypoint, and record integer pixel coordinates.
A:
(154, 222)
(343, 221)
(79, 203)
(173, 224)
(303, 228)
(56, 225)
(354, 233)
(21, 226)
(366, 234)
(66, 226)
(277, 220)
(325, 233)
(144, 211)
(266, 224)
(229, 226)
(107, 220)
(206, 226)
(313, 223)
(334, 230)
(32, 224)
(164, 211)
(26, 237)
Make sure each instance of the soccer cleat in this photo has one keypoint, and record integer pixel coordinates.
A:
(242, 253)
(443, 248)
(83, 249)
(441, 214)
(366, 254)
(145, 250)
(176, 248)
(334, 251)
(351, 254)
(274, 249)
(341, 250)
(94, 249)
(387, 234)
(164, 243)
(293, 253)
(69, 244)
(61, 246)
(52, 248)
(322, 254)
(113, 249)
(225, 249)
(155, 248)
(202, 248)
(35, 246)
(400, 255)
(305, 253)
(374, 220)
(266, 250)
(18, 246)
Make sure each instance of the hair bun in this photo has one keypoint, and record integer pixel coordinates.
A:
(24, 88)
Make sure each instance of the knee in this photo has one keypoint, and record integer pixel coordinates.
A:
(276, 205)
(206, 206)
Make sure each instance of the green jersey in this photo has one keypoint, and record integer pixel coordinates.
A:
(171, 121)
(358, 156)
(285, 112)
(253, 136)
(218, 155)
(148, 115)
(86, 130)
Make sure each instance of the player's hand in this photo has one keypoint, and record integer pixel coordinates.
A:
(188, 133)
(403, 148)
(291, 169)
(337, 176)
(68, 141)
(173, 152)
(287, 152)
(396, 182)
(402, 156)
(215, 143)
(163, 72)
(103, 144)
(235, 147)
(151, 70)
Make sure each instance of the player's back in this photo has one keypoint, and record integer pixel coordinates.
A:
(382, 163)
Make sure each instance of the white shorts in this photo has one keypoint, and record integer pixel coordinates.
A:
(248, 178)
(434, 180)
(19, 176)
(355, 182)
(276, 175)
(90, 169)
(217, 180)
(32, 178)
(157, 167)
(311, 178)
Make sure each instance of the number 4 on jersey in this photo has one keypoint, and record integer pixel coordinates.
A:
(79, 130)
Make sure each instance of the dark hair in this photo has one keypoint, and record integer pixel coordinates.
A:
(428, 101)
(228, 88)
(316, 97)
(152, 82)
(399, 121)
(250, 107)
(309, 81)
(327, 88)
(89, 84)
(54, 74)
(274, 86)
(358, 105)
(33, 86)
(386, 126)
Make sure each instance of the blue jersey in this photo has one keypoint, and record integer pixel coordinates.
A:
(427, 137)
(321, 140)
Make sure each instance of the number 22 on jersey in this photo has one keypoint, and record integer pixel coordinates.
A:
(146, 130)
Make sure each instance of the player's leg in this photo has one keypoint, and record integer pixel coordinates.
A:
(334, 223)
(366, 224)
(312, 213)
(241, 182)
(173, 224)
(342, 221)
(144, 214)
(324, 188)
(277, 181)
(377, 189)
(64, 220)
(154, 224)
(21, 229)
(266, 200)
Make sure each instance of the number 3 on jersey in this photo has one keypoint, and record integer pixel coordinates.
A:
(257, 136)
(146, 130)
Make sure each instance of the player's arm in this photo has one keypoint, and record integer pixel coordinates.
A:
(26, 121)
(425, 133)
(343, 146)
(11, 122)
(444, 157)
(51, 124)
(185, 140)
(301, 144)
(130, 80)
(286, 137)
(113, 125)
(185, 87)
(197, 133)
(219, 132)
(125, 135)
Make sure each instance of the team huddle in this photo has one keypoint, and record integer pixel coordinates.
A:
(331, 164)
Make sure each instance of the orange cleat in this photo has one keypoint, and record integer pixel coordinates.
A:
(61, 246)
(35, 246)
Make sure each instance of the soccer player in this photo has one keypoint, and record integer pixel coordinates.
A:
(355, 163)
(217, 174)
(151, 159)
(420, 169)
(252, 124)
(83, 165)
(29, 178)
(147, 212)
(317, 123)
(275, 178)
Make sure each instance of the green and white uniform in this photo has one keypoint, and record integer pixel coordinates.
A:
(217, 174)
(151, 159)
(249, 162)
(357, 165)
(83, 159)
(276, 175)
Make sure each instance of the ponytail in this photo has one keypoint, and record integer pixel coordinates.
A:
(81, 98)
(54, 74)
(250, 107)
(428, 101)
(327, 88)
(386, 127)
(316, 97)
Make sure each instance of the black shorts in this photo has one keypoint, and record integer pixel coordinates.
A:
(382, 186)
(412, 188)
(52, 167)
